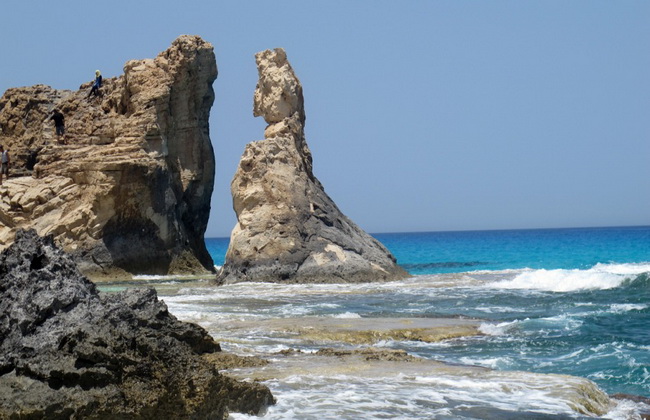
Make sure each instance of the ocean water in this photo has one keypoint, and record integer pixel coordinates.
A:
(580, 248)
(554, 301)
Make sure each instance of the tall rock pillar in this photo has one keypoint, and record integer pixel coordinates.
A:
(288, 229)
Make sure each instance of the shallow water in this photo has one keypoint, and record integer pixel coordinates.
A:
(598, 333)
(574, 302)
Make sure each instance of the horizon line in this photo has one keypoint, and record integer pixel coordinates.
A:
(486, 230)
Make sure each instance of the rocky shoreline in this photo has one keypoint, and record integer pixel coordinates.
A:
(70, 351)
(580, 395)
(131, 196)
(73, 352)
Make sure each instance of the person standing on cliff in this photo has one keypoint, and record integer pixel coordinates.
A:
(5, 160)
(96, 85)
(59, 124)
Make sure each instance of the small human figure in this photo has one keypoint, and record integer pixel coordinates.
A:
(96, 85)
(5, 160)
(59, 124)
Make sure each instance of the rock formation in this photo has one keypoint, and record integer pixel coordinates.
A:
(67, 351)
(288, 229)
(130, 189)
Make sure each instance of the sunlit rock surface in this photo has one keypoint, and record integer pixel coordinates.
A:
(128, 189)
(288, 229)
(363, 330)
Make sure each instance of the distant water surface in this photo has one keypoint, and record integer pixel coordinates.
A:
(579, 248)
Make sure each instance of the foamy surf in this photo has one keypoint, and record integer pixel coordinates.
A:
(352, 387)
(599, 277)
(522, 329)
(347, 315)
(168, 277)
(501, 328)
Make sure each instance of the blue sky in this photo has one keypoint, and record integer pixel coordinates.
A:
(421, 115)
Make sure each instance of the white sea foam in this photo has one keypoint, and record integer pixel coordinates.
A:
(152, 277)
(347, 315)
(627, 307)
(497, 329)
(626, 409)
(600, 276)
(328, 305)
(407, 397)
(565, 321)
(497, 309)
(413, 397)
(625, 269)
(169, 277)
(490, 362)
(185, 296)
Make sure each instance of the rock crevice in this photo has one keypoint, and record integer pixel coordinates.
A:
(288, 229)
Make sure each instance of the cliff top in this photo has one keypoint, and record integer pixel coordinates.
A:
(127, 188)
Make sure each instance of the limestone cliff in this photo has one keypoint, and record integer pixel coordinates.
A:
(289, 229)
(128, 189)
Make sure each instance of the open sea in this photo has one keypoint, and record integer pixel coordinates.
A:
(558, 301)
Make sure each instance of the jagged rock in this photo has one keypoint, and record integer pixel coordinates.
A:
(68, 351)
(288, 229)
(130, 190)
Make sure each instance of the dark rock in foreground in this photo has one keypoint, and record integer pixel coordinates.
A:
(67, 351)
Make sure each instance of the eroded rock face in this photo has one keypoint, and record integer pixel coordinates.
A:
(130, 190)
(289, 229)
(67, 351)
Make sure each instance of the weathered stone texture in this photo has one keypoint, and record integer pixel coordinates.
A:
(288, 229)
(130, 190)
(68, 351)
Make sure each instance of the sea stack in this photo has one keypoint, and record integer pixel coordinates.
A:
(127, 190)
(288, 229)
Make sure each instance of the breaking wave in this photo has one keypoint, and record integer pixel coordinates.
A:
(599, 277)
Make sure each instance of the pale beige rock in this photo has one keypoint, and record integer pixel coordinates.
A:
(130, 190)
(279, 93)
(288, 229)
(321, 330)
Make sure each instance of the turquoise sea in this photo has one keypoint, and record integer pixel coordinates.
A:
(560, 301)
(573, 301)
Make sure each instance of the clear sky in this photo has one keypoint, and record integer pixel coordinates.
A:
(421, 115)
